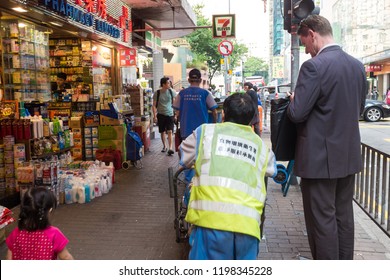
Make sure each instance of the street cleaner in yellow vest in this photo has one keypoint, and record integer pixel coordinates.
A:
(228, 192)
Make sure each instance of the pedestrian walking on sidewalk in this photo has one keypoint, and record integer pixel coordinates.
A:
(163, 113)
(248, 87)
(375, 93)
(35, 238)
(192, 107)
(228, 192)
(327, 154)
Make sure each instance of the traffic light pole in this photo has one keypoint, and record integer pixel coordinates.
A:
(225, 71)
(294, 74)
(294, 56)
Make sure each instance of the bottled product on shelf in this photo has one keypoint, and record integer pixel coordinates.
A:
(26, 64)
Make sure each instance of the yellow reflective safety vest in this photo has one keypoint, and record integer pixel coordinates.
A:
(228, 191)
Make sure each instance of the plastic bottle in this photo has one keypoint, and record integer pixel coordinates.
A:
(20, 129)
(104, 185)
(91, 188)
(109, 180)
(68, 196)
(46, 131)
(8, 128)
(87, 191)
(15, 129)
(61, 141)
(97, 187)
(40, 127)
(34, 121)
(27, 129)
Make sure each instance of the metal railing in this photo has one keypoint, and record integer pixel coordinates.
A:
(372, 188)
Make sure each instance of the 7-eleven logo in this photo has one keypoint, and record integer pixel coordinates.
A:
(223, 26)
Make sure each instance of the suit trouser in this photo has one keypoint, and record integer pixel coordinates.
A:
(329, 217)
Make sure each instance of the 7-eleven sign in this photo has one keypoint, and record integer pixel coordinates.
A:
(224, 26)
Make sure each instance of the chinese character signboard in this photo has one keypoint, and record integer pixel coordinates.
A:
(108, 18)
(373, 68)
(224, 26)
(278, 67)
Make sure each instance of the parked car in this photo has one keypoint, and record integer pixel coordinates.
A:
(375, 110)
(268, 93)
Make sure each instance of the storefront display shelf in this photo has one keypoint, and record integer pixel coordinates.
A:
(25, 59)
(46, 155)
(128, 112)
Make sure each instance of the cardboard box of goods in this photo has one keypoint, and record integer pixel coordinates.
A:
(91, 118)
(87, 131)
(77, 153)
(145, 125)
(104, 120)
(77, 132)
(78, 142)
(76, 122)
(138, 110)
(112, 132)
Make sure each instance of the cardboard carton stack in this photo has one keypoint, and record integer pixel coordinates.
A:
(142, 127)
(113, 136)
(77, 124)
(137, 99)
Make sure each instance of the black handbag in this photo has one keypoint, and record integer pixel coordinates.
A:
(283, 130)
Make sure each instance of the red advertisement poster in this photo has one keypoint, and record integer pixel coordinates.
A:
(128, 57)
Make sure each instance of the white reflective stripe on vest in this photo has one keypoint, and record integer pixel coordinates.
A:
(262, 158)
(230, 183)
(207, 146)
(224, 207)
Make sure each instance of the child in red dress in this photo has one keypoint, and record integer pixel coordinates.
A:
(35, 238)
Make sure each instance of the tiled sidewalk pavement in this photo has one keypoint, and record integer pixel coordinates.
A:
(135, 220)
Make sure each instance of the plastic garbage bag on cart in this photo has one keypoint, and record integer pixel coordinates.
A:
(283, 130)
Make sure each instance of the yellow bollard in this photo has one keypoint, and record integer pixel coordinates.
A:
(260, 109)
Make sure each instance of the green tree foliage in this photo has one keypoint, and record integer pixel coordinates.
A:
(255, 66)
(205, 47)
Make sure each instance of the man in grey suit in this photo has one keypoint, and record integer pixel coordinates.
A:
(326, 105)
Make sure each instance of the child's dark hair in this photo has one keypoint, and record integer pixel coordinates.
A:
(239, 108)
(35, 208)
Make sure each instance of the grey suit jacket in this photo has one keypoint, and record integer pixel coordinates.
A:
(329, 97)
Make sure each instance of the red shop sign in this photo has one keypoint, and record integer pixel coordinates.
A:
(373, 68)
(128, 57)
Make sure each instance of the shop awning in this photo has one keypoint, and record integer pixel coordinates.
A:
(171, 17)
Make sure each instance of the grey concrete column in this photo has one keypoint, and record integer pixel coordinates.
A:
(385, 84)
(158, 69)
